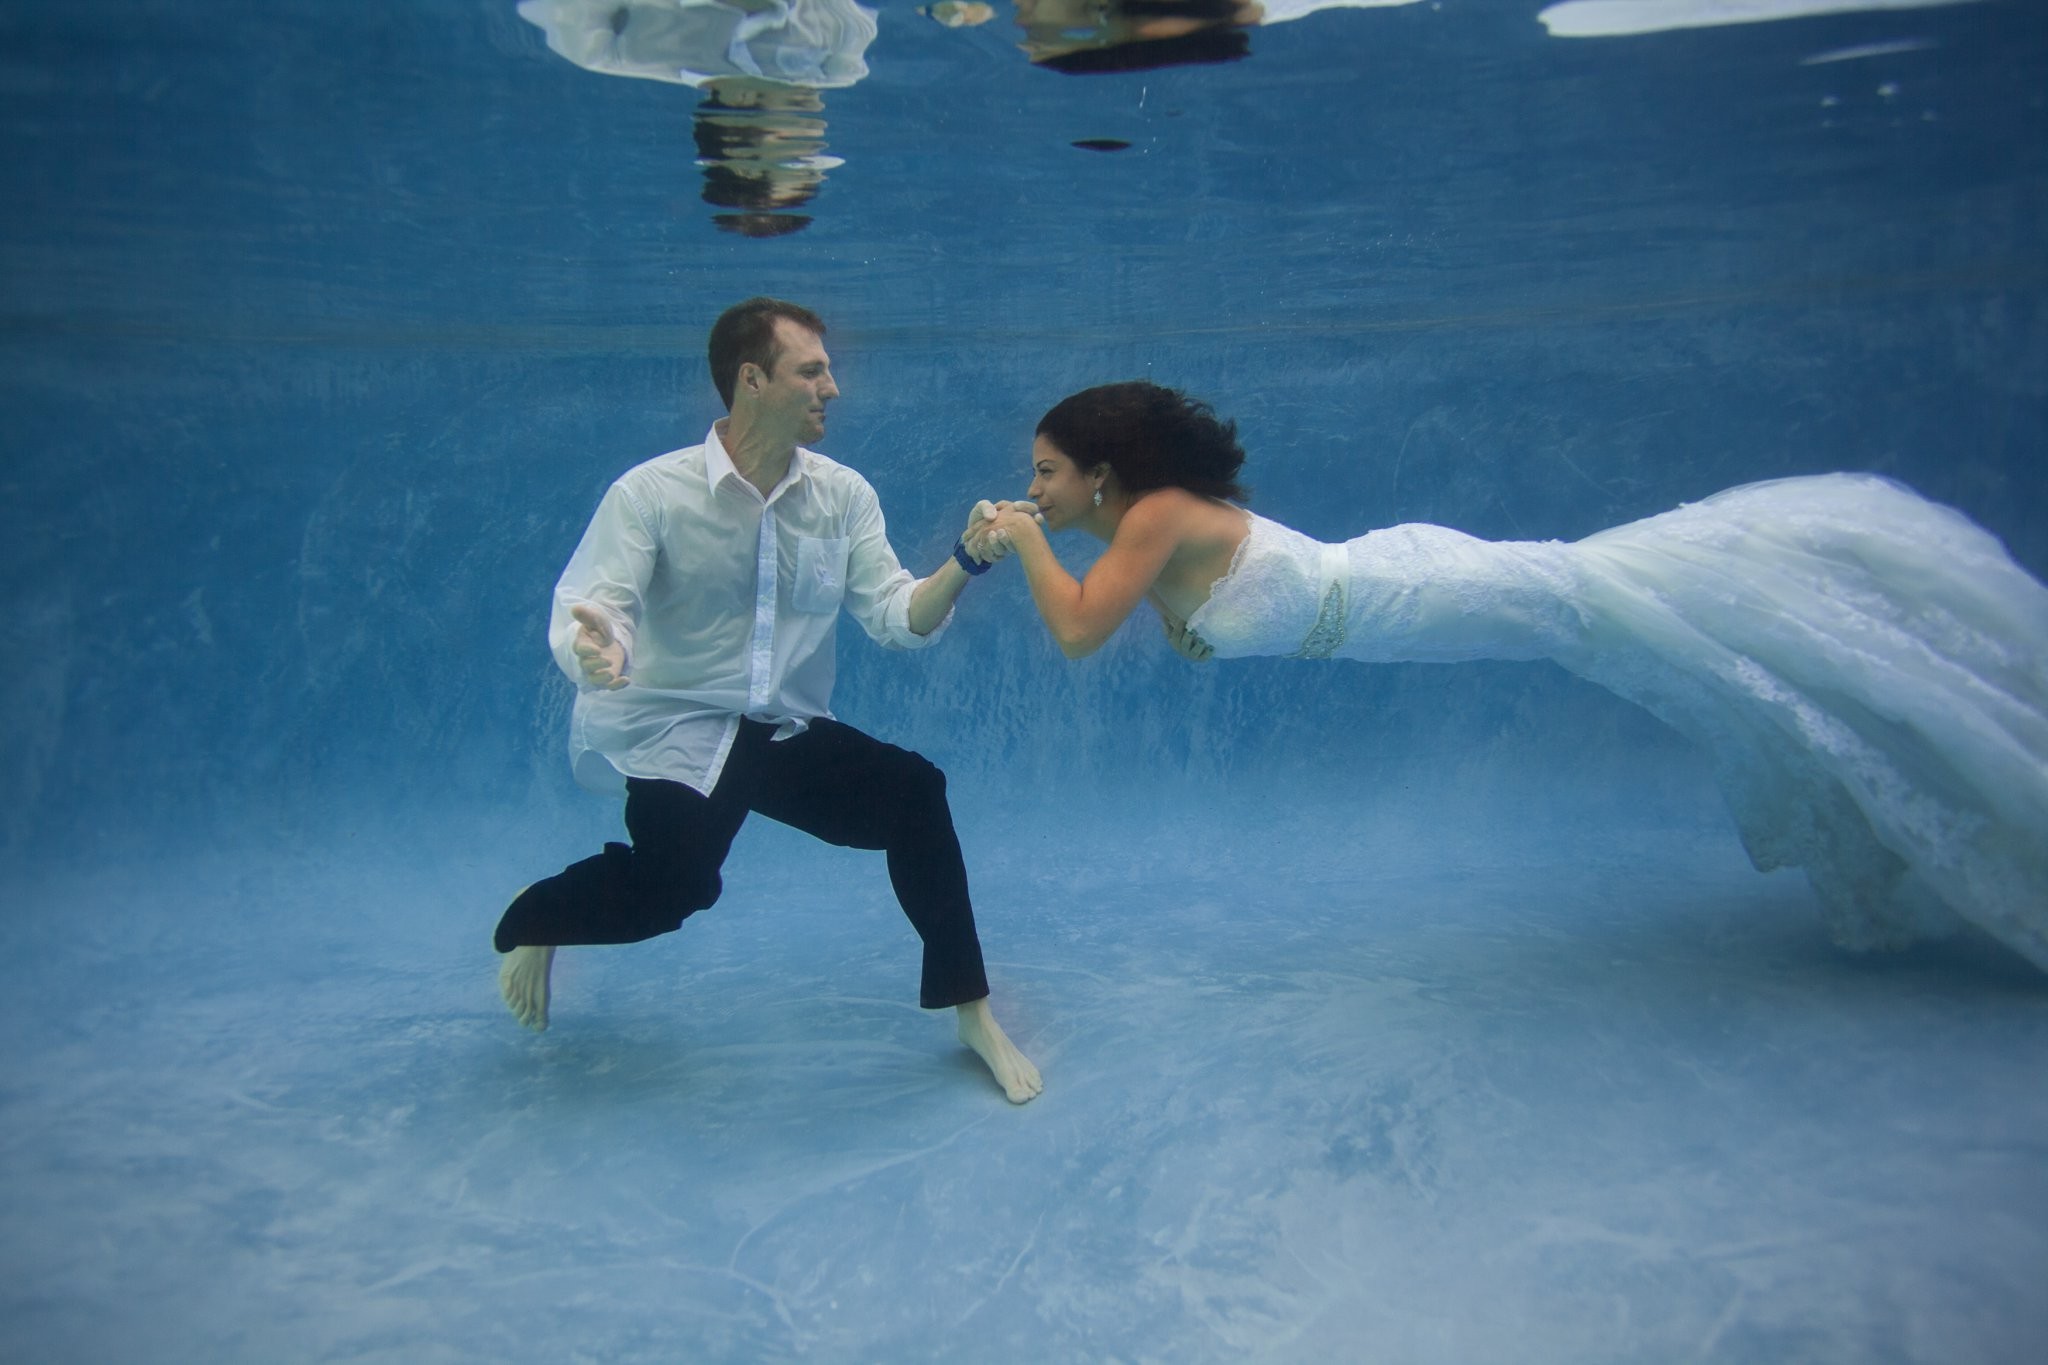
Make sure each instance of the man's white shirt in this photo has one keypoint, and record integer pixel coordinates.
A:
(727, 604)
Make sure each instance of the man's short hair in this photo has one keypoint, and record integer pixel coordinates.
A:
(745, 334)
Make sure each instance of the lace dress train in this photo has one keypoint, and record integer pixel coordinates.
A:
(1867, 670)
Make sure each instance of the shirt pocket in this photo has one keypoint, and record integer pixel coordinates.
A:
(820, 573)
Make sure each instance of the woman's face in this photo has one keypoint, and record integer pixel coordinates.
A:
(1063, 493)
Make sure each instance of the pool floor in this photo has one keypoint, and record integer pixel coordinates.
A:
(1592, 1100)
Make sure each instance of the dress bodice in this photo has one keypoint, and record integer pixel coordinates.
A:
(1414, 593)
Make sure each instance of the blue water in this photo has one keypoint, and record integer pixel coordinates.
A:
(1400, 1013)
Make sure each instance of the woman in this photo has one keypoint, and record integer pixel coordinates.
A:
(1868, 670)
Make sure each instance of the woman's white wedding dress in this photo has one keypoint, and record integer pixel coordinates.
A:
(1868, 671)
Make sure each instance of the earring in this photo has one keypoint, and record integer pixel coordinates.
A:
(1098, 497)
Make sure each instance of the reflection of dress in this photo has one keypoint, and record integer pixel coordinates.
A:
(1282, 11)
(1868, 671)
(817, 44)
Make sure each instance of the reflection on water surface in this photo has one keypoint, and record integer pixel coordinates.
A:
(760, 65)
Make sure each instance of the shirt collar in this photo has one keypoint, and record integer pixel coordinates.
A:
(718, 467)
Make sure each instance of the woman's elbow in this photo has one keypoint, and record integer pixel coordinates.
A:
(1077, 645)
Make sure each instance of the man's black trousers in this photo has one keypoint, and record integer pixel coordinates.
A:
(831, 782)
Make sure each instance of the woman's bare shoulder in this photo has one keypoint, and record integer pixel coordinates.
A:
(1204, 523)
(1205, 533)
(1186, 514)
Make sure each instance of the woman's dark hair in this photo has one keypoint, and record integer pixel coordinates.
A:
(1152, 436)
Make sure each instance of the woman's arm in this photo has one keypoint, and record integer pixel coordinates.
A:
(1082, 614)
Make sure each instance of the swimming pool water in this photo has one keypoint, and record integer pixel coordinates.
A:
(1403, 1013)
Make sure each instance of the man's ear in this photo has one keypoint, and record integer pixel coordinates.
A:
(751, 376)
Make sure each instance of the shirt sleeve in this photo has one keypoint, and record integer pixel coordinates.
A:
(878, 587)
(609, 571)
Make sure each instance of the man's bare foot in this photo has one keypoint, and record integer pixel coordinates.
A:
(1013, 1070)
(523, 981)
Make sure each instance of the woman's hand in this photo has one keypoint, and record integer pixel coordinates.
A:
(993, 533)
(1185, 642)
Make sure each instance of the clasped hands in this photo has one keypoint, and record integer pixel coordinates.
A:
(991, 527)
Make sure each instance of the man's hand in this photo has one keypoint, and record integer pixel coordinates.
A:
(987, 539)
(598, 653)
(975, 538)
(981, 512)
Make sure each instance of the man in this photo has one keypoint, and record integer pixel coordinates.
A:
(697, 619)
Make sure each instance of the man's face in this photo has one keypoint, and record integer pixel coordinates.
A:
(794, 391)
